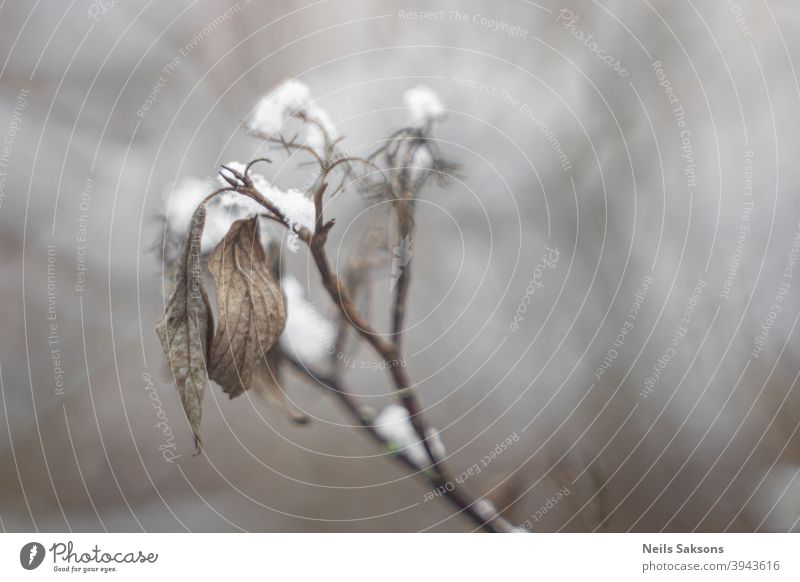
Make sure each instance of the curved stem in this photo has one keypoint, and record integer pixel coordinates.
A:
(386, 350)
(438, 480)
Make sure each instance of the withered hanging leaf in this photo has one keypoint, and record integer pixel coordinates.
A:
(186, 327)
(250, 306)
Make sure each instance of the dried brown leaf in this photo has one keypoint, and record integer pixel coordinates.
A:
(250, 307)
(185, 328)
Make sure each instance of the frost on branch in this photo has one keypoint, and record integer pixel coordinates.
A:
(292, 100)
(181, 200)
(308, 335)
(394, 425)
(296, 207)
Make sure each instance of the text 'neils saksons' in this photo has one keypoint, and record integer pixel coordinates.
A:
(681, 549)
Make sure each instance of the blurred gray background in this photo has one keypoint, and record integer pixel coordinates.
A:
(713, 445)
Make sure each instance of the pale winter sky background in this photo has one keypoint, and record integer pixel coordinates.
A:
(661, 150)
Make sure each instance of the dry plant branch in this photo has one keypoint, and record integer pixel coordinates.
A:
(248, 275)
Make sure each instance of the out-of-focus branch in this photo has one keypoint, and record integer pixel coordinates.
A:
(438, 474)
(385, 349)
(403, 196)
(289, 145)
(440, 481)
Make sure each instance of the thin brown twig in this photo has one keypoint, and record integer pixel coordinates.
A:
(404, 206)
(293, 145)
(438, 481)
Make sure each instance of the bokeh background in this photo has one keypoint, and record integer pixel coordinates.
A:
(558, 148)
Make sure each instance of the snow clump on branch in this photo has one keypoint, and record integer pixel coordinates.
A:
(292, 99)
(307, 335)
(296, 207)
(394, 425)
(424, 106)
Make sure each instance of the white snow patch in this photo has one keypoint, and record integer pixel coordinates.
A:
(421, 162)
(307, 334)
(180, 202)
(238, 166)
(291, 98)
(287, 99)
(424, 106)
(394, 425)
(294, 205)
